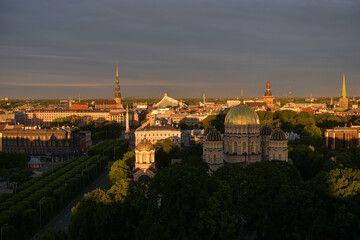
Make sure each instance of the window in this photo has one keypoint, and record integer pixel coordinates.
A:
(235, 147)
(279, 156)
(214, 160)
(244, 147)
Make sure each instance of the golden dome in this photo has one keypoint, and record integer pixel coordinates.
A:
(144, 145)
(242, 115)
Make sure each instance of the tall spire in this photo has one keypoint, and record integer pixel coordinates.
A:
(268, 85)
(343, 92)
(117, 95)
(127, 120)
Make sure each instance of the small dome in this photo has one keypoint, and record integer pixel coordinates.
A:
(214, 135)
(209, 129)
(266, 130)
(242, 115)
(278, 135)
(144, 145)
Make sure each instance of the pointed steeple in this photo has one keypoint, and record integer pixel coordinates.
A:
(117, 95)
(343, 91)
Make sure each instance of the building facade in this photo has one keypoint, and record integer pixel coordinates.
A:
(342, 137)
(155, 130)
(45, 117)
(145, 168)
(55, 144)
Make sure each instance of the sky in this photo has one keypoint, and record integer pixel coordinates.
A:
(62, 48)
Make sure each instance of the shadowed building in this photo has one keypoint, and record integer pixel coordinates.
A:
(342, 137)
(56, 144)
(213, 149)
(278, 149)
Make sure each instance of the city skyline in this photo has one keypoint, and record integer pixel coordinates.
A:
(183, 49)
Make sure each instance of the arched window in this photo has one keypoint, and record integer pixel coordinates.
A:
(143, 159)
(235, 147)
(228, 147)
(214, 160)
(252, 147)
(279, 156)
(273, 156)
(244, 147)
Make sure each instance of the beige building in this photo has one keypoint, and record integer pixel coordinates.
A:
(155, 130)
(45, 117)
(145, 168)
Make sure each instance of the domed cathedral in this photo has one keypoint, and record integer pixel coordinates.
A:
(265, 133)
(242, 142)
(278, 149)
(213, 148)
(144, 161)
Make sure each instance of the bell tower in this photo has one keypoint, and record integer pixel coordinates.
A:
(268, 97)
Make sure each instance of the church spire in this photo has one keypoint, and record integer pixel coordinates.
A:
(117, 95)
(343, 92)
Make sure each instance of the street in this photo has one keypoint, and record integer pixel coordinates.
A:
(62, 220)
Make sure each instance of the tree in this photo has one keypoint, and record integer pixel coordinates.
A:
(199, 208)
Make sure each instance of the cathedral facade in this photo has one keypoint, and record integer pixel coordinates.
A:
(244, 142)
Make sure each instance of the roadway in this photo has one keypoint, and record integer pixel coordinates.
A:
(62, 220)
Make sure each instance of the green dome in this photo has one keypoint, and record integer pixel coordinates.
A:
(241, 115)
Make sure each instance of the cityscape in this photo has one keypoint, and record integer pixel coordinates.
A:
(160, 126)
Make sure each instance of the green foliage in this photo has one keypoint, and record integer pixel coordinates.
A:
(56, 188)
(122, 168)
(13, 160)
(344, 183)
(66, 121)
(166, 150)
(106, 130)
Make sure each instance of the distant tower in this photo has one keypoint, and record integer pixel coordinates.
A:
(204, 99)
(343, 101)
(268, 97)
(69, 102)
(127, 120)
(79, 98)
(117, 96)
(331, 101)
(290, 97)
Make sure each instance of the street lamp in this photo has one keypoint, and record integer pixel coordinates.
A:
(2, 228)
(40, 208)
